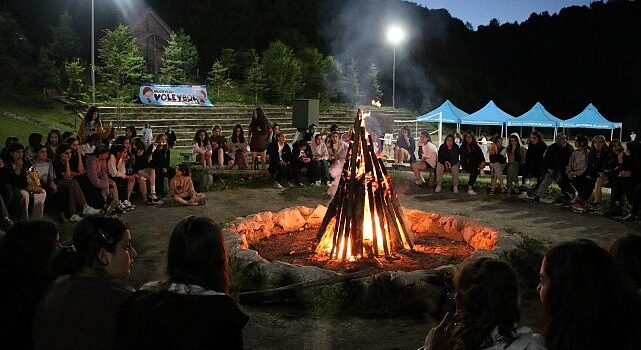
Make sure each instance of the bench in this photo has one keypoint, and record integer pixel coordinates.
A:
(248, 172)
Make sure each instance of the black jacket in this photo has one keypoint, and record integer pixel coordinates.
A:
(471, 157)
(448, 155)
(557, 157)
(274, 159)
(498, 157)
(534, 156)
(167, 320)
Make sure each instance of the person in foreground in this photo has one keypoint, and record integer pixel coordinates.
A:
(190, 309)
(79, 311)
(25, 254)
(487, 312)
(588, 304)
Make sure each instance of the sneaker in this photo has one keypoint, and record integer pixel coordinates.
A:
(329, 183)
(317, 183)
(75, 218)
(628, 218)
(157, 201)
(153, 196)
(300, 184)
(278, 185)
(577, 207)
(438, 188)
(471, 191)
(418, 182)
(90, 211)
(122, 206)
(128, 204)
(455, 189)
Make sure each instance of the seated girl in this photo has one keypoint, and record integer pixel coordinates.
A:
(19, 187)
(202, 148)
(320, 161)
(190, 308)
(448, 160)
(486, 312)
(405, 147)
(428, 155)
(79, 311)
(219, 147)
(181, 188)
(118, 174)
(497, 164)
(237, 147)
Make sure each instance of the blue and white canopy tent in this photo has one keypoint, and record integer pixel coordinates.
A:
(590, 118)
(537, 117)
(445, 113)
(490, 114)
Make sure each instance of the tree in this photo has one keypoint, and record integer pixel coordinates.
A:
(75, 92)
(255, 82)
(123, 68)
(375, 90)
(65, 43)
(283, 72)
(352, 84)
(46, 73)
(180, 60)
(334, 78)
(313, 66)
(15, 54)
(228, 60)
(218, 77)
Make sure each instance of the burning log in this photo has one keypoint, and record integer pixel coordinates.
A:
(364, 217)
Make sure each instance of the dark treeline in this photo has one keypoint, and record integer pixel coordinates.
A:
(566, 60)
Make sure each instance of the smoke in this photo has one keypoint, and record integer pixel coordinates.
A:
(357, 30)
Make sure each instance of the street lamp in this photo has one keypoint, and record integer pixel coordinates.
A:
(93, 57)
(394, 35)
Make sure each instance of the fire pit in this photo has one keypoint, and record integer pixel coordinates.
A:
(363, 234)
(288, 239)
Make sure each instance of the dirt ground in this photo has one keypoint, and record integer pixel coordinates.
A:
(287, 327)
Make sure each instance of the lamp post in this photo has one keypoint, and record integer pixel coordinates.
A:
(93, 57)
(394, 35)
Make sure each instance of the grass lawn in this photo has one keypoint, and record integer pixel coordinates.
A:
(37, 116)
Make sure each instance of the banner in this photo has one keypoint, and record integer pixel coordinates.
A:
(174, 95)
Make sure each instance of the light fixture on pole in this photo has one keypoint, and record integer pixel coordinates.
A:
(93, 58)
(394, 35)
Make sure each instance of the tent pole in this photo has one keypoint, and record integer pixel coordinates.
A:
(611, 134)
(440, 128)
(621, 132)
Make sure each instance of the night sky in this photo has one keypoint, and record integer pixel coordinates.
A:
(480, 12)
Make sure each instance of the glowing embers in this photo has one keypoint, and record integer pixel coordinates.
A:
(364, 217)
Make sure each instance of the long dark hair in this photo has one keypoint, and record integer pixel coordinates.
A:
(90, 113)
(197, 140)
(474, 144)
(261, 120)
(517, 151)
(237, 139)
(28, 246)
(94, 233)
(196, 254)
(626, 252)
(594, 152)
(52, 132)
(487, 297)
(588, 304)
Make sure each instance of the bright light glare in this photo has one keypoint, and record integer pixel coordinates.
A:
(395, 35)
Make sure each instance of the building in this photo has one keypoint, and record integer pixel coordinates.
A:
(152, 35)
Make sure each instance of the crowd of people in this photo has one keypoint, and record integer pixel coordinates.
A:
(91, 171)
(71, 297)
(581, 171)
(74, 298)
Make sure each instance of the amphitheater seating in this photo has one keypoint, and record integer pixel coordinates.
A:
(186, 120)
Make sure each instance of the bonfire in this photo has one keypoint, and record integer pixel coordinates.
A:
(364, 219)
